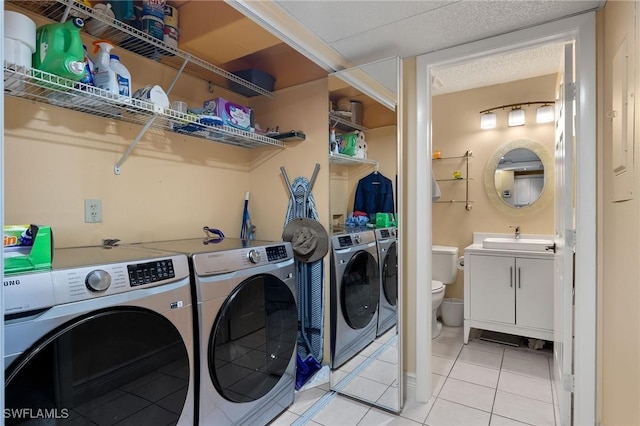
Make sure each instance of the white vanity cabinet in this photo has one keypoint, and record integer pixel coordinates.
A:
(508, 292)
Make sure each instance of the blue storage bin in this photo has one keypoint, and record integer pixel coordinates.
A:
(255, 76)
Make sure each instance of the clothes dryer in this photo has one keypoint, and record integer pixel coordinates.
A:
(105, 337)
(355, 293)
(247, 327)
(386, 239)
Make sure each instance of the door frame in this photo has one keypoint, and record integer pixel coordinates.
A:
(582, 30)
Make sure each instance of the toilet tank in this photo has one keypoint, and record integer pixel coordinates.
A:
(444, 263)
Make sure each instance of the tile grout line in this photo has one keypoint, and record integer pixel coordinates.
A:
(326, 399)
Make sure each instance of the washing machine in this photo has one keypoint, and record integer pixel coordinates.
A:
(355, 293)
(104, 337)
(247, 327)
(386, 239)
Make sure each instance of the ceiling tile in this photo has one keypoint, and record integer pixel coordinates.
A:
(336, 20)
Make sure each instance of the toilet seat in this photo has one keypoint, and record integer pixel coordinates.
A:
(436, 286)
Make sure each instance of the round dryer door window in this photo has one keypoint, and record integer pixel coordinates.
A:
(254, 338)
(360, 290)
(390, 275)
(117, 365)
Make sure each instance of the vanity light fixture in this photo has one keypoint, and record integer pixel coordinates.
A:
(516, 117)
(545, 114)
(488, 120)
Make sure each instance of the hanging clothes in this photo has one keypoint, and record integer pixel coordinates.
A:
(374, 194)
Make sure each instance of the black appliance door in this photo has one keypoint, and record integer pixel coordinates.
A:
(253, 339)
(390, 275)
(360, 290)
(117, 366)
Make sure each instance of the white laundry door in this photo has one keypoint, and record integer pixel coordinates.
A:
(564, 238)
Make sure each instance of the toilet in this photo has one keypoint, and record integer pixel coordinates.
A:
(444, 271)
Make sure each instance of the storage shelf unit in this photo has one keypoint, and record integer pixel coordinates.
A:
(468, 204)
(134, 40)
(43, 87)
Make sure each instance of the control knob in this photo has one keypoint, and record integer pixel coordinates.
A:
(356, 238)
(98, 280)
(254, 256)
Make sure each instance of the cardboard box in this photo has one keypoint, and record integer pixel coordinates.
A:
(232, 114)
(27, 248)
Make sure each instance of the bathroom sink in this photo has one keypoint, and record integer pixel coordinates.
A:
(525, 244)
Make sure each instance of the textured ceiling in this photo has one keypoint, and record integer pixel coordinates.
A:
(499, 69)
(364, 31)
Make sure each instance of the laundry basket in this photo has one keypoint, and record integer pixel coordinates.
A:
(452, 312)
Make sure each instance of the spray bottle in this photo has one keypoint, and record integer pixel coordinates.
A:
(59, 49)
(104, 76)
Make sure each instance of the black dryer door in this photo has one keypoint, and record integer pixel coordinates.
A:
(360, 290)
(119, 365)
(390, 275)
(253, 339)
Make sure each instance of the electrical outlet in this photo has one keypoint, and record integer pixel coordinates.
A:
(92, 211)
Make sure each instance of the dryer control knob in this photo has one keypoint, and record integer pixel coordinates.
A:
(98, 280)
(356, 238)
(254, 256)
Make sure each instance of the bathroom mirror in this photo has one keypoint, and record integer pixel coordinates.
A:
(373, 374)
(519, 177)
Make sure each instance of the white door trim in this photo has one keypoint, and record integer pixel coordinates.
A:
(580, 28)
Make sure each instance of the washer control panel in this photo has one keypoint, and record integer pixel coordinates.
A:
(236, 260)
(276, 253)
(345, 241)
(74, 284)
(150, 272)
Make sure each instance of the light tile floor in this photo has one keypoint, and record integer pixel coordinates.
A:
(480, 383)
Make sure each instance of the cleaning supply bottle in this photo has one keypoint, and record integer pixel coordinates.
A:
(122, 75)
(59, 49)
(332, 141)
(87, 76)
(104, 76)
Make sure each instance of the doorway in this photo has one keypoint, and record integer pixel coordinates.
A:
(581, 30)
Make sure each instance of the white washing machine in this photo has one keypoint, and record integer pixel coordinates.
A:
(247, 327)
(386, 242)
(105, 337)
(355, 293)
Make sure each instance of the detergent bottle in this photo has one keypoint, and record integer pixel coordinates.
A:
(104, 76)
(59, 49)
(122, 75)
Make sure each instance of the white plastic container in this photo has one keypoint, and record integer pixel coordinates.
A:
(104, 76)
(122, 76)
(94, 26)
(452, 312)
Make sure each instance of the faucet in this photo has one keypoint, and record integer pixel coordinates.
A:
(517, 230)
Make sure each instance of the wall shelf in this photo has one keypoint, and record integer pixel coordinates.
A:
(39, 86)
(465, 158)
(344, 125)
(136, 41)
(347, 160)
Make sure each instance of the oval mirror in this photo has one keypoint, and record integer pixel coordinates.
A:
(519, 177)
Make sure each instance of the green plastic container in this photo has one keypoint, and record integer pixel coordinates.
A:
(59, 49)
(27, 248)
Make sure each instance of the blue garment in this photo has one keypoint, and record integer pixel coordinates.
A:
(374, 194)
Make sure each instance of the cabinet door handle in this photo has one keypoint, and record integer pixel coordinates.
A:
(519, 279)
(511, 276)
